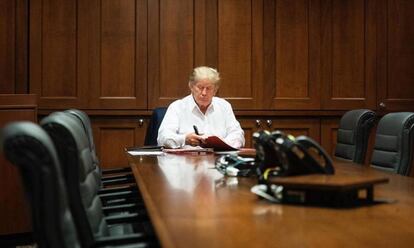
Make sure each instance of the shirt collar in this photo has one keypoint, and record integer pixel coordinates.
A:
(193, 105)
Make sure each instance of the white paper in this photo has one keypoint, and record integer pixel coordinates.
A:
(143, 152)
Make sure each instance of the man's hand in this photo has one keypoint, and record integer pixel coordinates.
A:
(193, 139)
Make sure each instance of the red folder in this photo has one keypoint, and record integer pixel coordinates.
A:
(217, 144)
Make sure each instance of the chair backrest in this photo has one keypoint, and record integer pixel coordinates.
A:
(73, 149)
(353, 134)
(29, 147)
(153, 126)
(393, 149)
(84, 120)
(86, 124)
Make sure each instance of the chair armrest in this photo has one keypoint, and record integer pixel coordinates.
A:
(116, 170)
(120, 194)
(117, 176)
(114, 199)
(130, 207)
(139, 216)
(131, 188)
(118, 181)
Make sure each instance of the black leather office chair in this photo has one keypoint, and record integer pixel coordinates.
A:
(393, 149)
(353, 134)
(27, 146)
(108, 176)
(75, 156)
(153, 126)
(121, 189)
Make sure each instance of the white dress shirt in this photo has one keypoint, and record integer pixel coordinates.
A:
(182, 114)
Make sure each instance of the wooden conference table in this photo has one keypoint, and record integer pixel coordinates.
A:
(193, 205)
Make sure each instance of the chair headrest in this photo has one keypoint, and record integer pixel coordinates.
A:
(352, 118)
(395, 123)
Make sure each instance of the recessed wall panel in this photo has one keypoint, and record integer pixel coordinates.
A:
(235, 48)
(348, 49)
(176, 47)
(59, 47)
(292, 49)
(400, 50)
(112, 145)
(7, 47)
(118, 32)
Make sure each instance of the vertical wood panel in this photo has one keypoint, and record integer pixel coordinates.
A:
(59, 43)
(22, 40)
(205, 24)
(240, 30)
(292, 54)
(176, 45)
(292, 46)
(118, 48)
(348, 34)
(7, 47)
(113, 52)
(396, 52)
(401, 50)
(348, 46)
(13, 47)
(171, 34)
(235, 42)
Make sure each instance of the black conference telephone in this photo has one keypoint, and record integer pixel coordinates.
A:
(278, 154)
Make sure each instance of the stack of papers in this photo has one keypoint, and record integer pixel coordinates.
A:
(189, 149)
(145, 150)
(138, 153)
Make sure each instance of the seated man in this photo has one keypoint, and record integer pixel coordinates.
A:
(211, 115)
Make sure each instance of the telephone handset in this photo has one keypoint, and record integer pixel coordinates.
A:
(267, 155)
(284, 155)
(318, 154)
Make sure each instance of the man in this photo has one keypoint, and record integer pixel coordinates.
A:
(209, 114)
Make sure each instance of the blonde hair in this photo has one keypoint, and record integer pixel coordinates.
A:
(205, 73)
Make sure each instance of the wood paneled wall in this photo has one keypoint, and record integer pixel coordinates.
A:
(272, 54)
(285, 59)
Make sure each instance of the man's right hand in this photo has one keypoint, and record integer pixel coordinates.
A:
(193, 139)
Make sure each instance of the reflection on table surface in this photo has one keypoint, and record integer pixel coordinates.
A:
(192, 205)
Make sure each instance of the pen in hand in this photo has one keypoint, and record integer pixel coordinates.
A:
(196, 130)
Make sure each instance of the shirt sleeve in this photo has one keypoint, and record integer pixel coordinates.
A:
(234, 132)
(168, 132)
